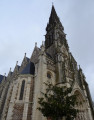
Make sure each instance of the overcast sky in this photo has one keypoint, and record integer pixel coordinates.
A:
(23, 22)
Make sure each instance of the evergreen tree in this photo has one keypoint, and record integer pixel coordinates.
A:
(57, 102)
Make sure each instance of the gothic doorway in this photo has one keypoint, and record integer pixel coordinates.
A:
(81, 106)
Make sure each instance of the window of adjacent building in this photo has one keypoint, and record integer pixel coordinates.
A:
(22, 90)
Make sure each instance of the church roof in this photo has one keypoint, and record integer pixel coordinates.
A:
(1, 78)
(29, 69)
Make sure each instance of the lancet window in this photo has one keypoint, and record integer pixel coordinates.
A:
(22, 90)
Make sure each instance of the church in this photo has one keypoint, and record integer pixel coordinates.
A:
(53, 62)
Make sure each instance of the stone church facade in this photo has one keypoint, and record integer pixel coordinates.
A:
(53, 62)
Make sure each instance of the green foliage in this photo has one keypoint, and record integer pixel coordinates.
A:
(58, 102)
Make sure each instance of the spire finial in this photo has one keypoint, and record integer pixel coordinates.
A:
(16, 63)
(25, 55)
(52, 3)
(35, 44)
(10, 69)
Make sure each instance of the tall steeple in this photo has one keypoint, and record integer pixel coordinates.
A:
(54, 19)
(54, 30)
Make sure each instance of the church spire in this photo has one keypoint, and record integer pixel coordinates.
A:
(53, 15)
(54, 29)
(54, 19)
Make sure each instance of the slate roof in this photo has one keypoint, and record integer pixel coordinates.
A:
(29, 69)
(1, 78)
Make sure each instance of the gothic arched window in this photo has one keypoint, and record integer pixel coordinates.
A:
(22, 90)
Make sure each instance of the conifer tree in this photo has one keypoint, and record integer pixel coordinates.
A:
(57, 102)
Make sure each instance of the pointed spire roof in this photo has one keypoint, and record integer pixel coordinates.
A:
(54, 30)
(54, 19)
(10, 72)
(53, 15)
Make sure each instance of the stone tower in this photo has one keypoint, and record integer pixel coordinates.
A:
(51, 62)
